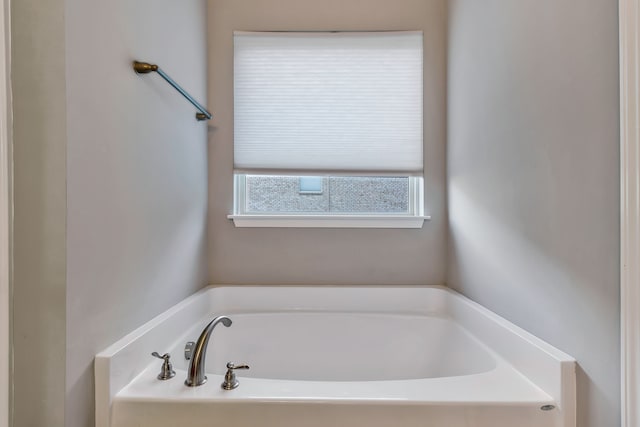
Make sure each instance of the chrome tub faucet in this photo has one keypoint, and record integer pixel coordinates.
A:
(196, 374)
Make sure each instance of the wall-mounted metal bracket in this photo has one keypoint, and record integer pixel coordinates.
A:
(146, 68)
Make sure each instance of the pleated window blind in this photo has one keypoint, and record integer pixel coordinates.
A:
(345, 102)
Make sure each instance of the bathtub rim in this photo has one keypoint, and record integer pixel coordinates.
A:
(549, 368)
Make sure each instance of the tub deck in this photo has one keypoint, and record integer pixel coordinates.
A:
(260, 402)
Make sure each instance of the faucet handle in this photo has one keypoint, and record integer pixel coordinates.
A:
(166, 372)
(232, 366)
(230, 381)
(165, 356)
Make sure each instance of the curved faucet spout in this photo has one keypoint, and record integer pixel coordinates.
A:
(195, 374)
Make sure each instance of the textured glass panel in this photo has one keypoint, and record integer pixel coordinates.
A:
(343, 195)
(281, 194)
(369, 194)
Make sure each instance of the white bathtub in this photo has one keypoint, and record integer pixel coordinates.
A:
(338, 356)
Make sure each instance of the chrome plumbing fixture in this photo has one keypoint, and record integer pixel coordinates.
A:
(188, 349)
(195, 373)
(230, 381)
(145, 68)
(166, 371)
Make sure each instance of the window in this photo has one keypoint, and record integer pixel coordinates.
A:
(328, 129)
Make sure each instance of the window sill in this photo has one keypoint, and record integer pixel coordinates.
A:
(329, 221)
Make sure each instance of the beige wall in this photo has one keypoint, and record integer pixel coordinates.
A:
(110, 187)
(325, 256)
(39, 293)
(111, 178)
(136, 175)
(533, 177)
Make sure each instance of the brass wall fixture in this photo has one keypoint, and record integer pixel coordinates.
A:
(145, 68)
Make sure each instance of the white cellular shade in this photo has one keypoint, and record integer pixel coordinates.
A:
(348, 102)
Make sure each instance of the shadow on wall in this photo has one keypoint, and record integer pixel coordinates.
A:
(506, 245)
(526, 268)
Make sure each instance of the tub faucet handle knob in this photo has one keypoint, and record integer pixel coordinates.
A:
(231, 365)
(230, 380)
(166, 372)
(165, 356)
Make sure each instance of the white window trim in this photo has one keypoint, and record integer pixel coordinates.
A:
(322, 220)
(329, 221)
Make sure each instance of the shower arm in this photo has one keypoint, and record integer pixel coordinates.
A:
(146, 68)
